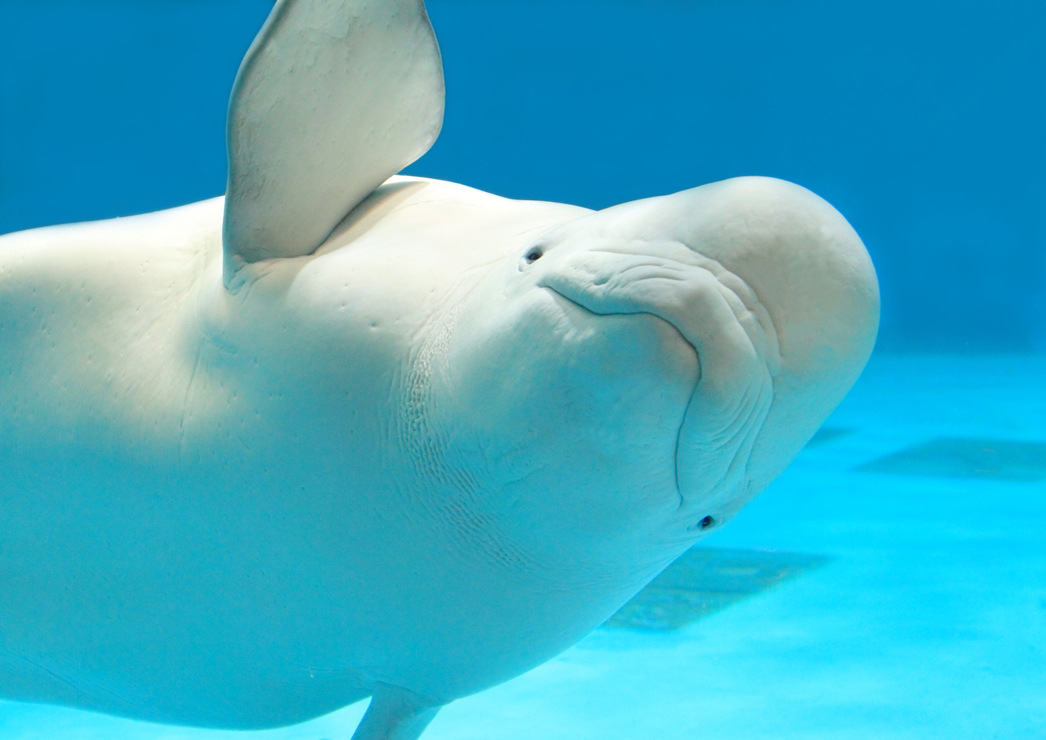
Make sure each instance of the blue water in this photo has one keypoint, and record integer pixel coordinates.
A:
(923, 122)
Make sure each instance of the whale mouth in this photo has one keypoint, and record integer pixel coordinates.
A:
(772, 365)
(663, 279)
(720, 318)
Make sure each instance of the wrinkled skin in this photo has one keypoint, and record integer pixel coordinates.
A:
(603, 342)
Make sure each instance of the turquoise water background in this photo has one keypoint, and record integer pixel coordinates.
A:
(924, 502)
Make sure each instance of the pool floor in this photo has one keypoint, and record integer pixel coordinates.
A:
(891, 584)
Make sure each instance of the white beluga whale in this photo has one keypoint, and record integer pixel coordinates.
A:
(346, 434)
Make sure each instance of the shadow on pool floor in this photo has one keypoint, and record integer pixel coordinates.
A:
(955, 457)
(705, 580)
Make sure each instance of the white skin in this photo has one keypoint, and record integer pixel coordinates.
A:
(413, 458)
(631, 319)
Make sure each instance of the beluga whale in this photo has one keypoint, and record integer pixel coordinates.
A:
(346, 434)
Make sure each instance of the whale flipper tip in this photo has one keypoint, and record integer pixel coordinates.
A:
(395, 714)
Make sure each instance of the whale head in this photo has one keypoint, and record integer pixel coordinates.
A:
(631, 378)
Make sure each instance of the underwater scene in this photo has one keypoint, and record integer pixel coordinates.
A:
(572, 429)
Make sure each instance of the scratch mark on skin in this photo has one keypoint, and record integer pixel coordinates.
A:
(188, 394)
(78, 687)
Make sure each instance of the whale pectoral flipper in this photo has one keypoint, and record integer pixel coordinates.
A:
(395, 714)
(332, 99)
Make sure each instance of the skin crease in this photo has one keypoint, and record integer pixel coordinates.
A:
(414, 458)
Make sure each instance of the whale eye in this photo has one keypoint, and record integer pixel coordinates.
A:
(534, 255)
(706, 522)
